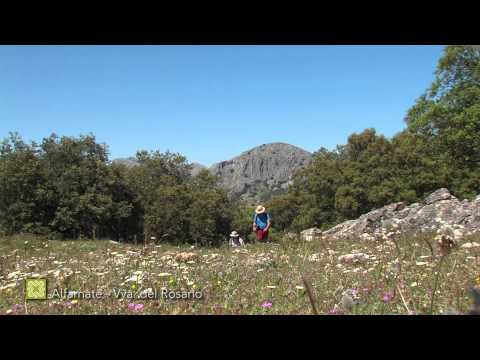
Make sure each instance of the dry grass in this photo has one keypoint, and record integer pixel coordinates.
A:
(295, 277)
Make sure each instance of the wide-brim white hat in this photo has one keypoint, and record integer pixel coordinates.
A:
(234, 234)
(260, 209)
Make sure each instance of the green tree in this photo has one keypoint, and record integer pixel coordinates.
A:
(447, 117)
(209, 212)
(21, 179)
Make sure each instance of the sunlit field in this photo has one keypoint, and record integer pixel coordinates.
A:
(404, 276)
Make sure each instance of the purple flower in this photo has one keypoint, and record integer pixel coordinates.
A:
(266, 304)
(333, 311)
(135, 307)
(387, 297)
(365, 290)
(354, 292)
(16, 308)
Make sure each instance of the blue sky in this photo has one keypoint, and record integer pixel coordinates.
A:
(210, 102)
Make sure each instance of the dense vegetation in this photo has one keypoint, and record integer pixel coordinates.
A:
(440, 147)
(66, 187)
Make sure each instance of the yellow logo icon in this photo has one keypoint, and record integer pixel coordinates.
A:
(36, 289)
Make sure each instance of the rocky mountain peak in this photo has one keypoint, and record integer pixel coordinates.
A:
(267, 168)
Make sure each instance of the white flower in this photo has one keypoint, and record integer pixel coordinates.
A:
(13, 274)
(8, 286)
(146, 292)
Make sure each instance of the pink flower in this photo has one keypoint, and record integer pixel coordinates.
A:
(135, 307)
(16, 308)
(387, 297)
(266, 304)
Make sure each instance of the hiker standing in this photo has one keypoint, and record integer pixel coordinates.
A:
(261, 223)
(236, 240)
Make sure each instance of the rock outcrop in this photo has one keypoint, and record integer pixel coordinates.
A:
(267, 168)
(196, 168)
(441, 212)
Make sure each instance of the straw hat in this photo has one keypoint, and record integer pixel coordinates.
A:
(260, 209)
(234, 234)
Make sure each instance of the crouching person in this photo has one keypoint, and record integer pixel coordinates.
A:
(236, 240)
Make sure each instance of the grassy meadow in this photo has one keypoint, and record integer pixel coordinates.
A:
(406, 276)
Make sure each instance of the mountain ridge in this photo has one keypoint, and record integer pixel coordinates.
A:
(256, 173)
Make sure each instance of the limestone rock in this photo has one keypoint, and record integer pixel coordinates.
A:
(311, 234)
(440, 213)
(441, 194)
(261, 169)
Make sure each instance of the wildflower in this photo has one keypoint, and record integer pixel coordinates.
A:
(387, 297)
(14, 309)
(8, 286)
(414, 284)
(266, 304)
(333, 311)
(218, 307)
(271, 287)
(135, 307)
(445, 243)
(421, 263)
(147, 292)
(74, 302)
(366, 290)
(477, 280)
(299, 287)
